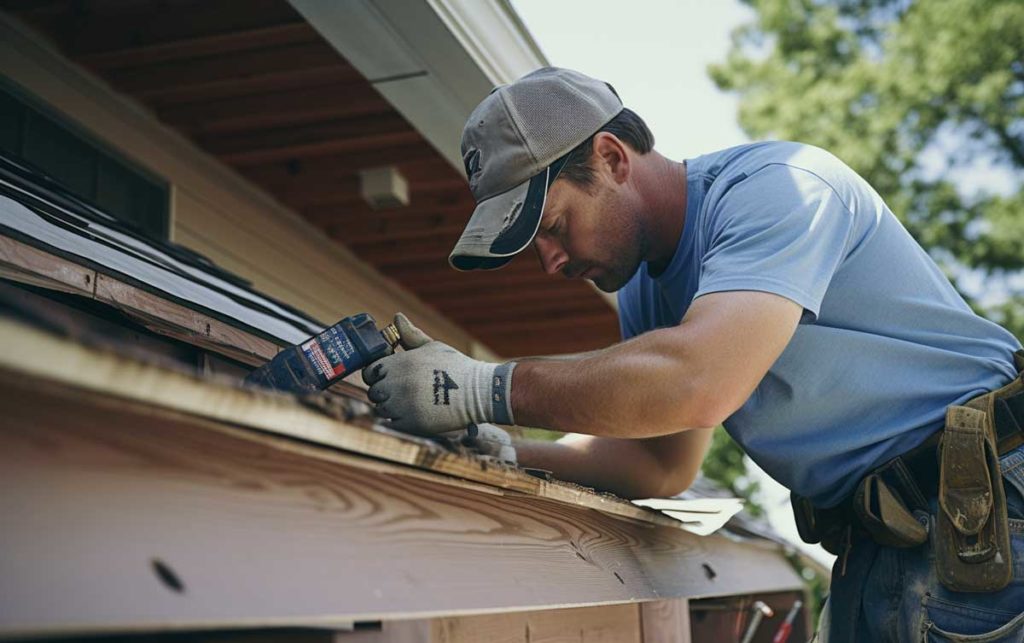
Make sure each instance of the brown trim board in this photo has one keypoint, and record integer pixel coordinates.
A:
(122, 514)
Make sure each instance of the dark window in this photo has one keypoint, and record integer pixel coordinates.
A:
(85, 167)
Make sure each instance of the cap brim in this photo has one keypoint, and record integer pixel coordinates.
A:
(501, 226)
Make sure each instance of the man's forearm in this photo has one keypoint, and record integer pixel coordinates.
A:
(628, 468)
(639, 388)
(695, 374)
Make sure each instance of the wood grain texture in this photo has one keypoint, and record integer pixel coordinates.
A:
(604, 624)
(32, 353)
(123, 516)
(201, 46)
(21, 262)
(111, 26)
(168, 318)
(666, 621)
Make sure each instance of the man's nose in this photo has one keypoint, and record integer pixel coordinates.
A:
(552, 256)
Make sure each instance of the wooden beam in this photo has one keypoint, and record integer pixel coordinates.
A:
(666, 621)
(156, 78)
(611, 623)
(427, 255)
(302, 192)
(105, 26)
(201, 46)
(279, 137)
(174, 320)
(185, 523)
(31, 352)
(274, 109)
(499, 285)
(439, 282)
(471, 315)
(419, 154)
(23, 263)
(403, 234)
(523, 265)
(554, 323)
(506, 300)
(531, 343)
(449, 209)
(314, 174)
(282, 150)
(390, 252)
(338, 72)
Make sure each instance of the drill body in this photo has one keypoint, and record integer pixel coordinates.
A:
(321, 360)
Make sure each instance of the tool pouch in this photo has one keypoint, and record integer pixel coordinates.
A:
(825, 526)
(883, 513)
(972, 542)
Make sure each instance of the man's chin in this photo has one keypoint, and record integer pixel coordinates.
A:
(609, 283)
(613, 281)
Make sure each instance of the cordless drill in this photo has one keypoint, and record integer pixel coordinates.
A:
(323, 359)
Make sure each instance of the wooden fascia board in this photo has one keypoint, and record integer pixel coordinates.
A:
(125, 514)
(34, 353)
(433, 60)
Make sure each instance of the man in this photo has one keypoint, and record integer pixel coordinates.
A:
(767, 288)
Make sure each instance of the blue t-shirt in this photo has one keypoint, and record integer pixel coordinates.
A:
(885, 342)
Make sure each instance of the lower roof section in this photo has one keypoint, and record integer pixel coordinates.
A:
(126, 512)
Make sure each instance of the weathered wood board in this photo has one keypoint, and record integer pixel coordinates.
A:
(125, 515)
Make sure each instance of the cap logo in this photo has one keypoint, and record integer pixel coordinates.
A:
(472, 163)
(512, 215)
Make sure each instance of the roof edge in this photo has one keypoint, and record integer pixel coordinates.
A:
(433, 60)
(493, 35)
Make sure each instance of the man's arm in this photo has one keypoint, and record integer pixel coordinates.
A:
(647, 468)
(690, 376)
(695, 374)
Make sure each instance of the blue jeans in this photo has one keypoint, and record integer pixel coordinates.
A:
(890, 594)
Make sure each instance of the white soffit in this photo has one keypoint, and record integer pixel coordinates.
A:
(433, 60)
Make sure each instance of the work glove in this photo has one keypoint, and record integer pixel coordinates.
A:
(431, 388)
(487, 439)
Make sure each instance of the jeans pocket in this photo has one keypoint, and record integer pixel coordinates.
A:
(1011, 465)
(946, 621)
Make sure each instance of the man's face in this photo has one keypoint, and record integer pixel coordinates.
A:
(591, 233)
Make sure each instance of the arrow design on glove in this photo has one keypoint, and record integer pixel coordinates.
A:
(442, 382)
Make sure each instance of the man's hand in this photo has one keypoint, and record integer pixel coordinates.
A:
(489, 440)
(432, 388)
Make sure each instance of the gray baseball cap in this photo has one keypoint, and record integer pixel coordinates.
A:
(513, 145)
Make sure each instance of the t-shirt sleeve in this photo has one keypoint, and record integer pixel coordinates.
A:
(781, 230)
(628, 300)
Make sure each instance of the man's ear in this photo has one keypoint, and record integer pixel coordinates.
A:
(611, 154)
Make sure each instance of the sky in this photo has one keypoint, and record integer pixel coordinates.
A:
(656, 58)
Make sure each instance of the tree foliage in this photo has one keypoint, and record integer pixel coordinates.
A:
(914, 96)
(724, 464)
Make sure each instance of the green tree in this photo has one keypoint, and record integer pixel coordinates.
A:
(724, 464)
(912, 95)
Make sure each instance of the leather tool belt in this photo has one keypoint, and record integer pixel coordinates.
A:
(960, 466)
